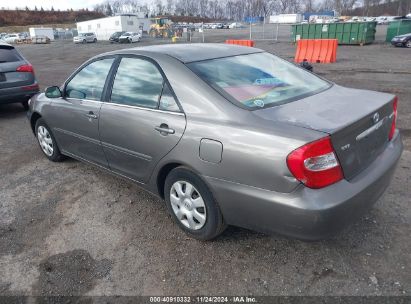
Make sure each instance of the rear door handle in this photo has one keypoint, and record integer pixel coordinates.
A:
(164, 129)
(91, 115)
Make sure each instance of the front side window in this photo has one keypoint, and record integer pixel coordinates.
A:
(137, 82)
(258, 80)
(89, 82)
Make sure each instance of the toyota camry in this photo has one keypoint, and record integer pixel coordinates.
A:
(226, 135)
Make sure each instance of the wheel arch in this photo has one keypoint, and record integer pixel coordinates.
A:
(34, 117)
(162, 175)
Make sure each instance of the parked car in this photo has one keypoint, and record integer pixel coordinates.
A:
(17, 80)
(235, 25)
(402, 40)
(85, 37)
(227, 135)
(11, 38)
(115, 36)
(129, 37)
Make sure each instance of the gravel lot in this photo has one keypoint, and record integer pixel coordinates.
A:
(71, 229)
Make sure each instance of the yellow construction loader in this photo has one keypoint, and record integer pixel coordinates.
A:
(161, 28)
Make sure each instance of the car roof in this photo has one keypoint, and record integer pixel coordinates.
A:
(5, 45)
(187, 53)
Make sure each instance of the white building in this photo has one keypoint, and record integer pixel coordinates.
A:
(286, 18)
(104, 27)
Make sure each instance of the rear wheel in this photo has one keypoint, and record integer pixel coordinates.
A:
(84, 41)
(153, 33)
(47, 142)
(192, 206)
(25, 104)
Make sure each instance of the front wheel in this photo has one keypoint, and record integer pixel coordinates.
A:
(47, 141)
(192, 205)
(84, 41)
(95, 40)
(408, 44)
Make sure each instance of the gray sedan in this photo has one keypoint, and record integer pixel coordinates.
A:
(226, 135)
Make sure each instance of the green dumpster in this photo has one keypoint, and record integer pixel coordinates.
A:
(398, 27)
(346, 32)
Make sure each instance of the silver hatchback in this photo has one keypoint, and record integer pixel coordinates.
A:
(226, 135)
(85, 38)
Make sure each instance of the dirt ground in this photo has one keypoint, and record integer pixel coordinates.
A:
(71, 229)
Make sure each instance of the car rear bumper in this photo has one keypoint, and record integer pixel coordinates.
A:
(17, 94)
(309, 214)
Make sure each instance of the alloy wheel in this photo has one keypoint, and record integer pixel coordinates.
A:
(45, 140)
(188, 205)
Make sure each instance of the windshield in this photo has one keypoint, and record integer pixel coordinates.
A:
(258, 80)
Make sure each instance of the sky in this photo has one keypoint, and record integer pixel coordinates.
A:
(47, 4)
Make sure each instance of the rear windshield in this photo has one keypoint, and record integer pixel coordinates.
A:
(9, 55)
(258, 80)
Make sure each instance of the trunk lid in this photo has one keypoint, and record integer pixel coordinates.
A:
(358, 122)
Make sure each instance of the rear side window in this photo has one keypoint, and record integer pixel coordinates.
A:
(9, 55)
(138, 82)
(89, 82)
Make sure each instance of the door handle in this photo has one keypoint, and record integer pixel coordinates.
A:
(91, 115)
(164, 129)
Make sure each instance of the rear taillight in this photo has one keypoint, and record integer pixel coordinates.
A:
(315, 164)
(25, 68)
(394, 118)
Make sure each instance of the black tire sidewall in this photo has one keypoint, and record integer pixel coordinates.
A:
(56, 156)
(214, 221)
(25, 104)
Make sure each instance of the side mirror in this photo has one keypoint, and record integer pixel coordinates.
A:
(53, 92)
(306, 65)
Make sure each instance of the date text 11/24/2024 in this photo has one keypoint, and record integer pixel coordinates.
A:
(204, 299)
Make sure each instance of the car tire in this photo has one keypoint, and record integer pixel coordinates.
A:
(130, 40)
(25, 104)
(84, 41)
(95, 40)
(196, 212)
(45, 138)
(408, 44)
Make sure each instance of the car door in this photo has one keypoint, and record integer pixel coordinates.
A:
(74, 118)
(142, 122)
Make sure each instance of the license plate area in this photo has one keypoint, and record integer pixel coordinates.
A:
(2, 77)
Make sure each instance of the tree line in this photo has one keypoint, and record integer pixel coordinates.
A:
(239, 9)
(28, 17)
